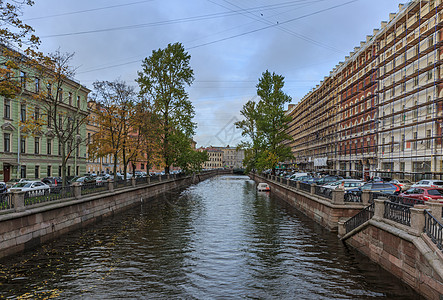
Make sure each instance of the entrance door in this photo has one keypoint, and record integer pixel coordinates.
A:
(6, 173)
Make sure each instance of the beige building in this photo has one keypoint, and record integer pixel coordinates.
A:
(223, 157)
(379, 112)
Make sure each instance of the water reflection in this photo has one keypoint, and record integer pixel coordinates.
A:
(220, 239)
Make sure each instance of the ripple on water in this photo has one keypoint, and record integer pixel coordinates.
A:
(219, 239)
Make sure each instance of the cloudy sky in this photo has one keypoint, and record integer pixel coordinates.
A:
(231, 43)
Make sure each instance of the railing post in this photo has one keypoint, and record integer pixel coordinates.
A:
(297, 185)
(313, 188)
(110, 185)
(417, 219)
(148, 179)
(338, 196)
(365, 197)
(341, 228)
(436, 209)
(77, 189)
(18, 199)
(133, 181)
(379, 209)
(159, 177)
(167, 176)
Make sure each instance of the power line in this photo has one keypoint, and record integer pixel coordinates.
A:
(87, 10)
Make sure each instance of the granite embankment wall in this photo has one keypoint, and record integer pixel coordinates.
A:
(325, 211)
(27, 227)
(403, 250)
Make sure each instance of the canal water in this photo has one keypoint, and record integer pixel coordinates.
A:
(219, 239)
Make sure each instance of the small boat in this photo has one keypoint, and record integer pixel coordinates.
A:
(263, 187)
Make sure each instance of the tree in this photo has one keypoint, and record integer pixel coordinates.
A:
(163, 79)
(265, 124)
(115, 114)
(56, 109)
(14, 35)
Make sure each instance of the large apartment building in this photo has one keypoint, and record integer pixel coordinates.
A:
(223, 157)
(36, 154)
(380, 111)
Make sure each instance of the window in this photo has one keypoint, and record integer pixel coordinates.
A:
(37, 85)
(60, 95)
(23, 79)
(49, 88)
(428, 138)
(59, 171)
(431, 41)
(37, 172)
(430, 72)
(414, 144)
(383, 141)
(402, 145)
(59, 148)
(37, 113)
(416, 80)
(142, 166)
(89, 138)
(23, 172)
(416, 109)
(36, 145)
(49, 119)
(60, 122)
(77, 171)
(23, 113)
(70, 99)
(7, 142)
(402, 166)
(69, 170)
(48, 171)
(78, 101)
(429, 109)
(392, 143)
(7, 109)
(22, 144)
(49, 146)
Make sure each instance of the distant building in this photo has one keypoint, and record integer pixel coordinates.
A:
(223, 157)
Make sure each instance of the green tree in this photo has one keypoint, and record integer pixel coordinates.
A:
(265, 124)
(163, 79)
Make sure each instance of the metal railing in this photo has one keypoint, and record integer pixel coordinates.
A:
(141, 180)
(397, 212)
(57, 193)
(323, 192)
(352, 197)
(6, 201)
(292, 183)
(154, 178)
(90, 188)
(305, 187)
(434, 230)
(405, 200)
(122, 183)
(361, 217)
(164, 177)
(284, 181)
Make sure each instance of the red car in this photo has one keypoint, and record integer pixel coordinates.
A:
(423, 193)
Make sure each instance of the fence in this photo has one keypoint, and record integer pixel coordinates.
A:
(6, 202)
(363, 216)
(45, 196)
(353, 197)
(397, 212)
(305, 187)
(90, 188)
(323, 192)
(434, 230)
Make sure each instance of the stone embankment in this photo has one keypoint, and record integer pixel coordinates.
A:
(406, 240)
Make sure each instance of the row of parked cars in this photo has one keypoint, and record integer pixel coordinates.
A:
(425, 189)
(49, 185)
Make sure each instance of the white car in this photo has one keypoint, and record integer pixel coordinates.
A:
(429, 183)
(345, 184)
(32, 188)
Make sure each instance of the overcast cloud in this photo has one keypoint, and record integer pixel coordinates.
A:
(231, 42)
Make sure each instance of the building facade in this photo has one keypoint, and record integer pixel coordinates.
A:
(37, 154)
(223, 157)
(379, 113)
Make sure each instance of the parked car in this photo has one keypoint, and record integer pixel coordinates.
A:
(300, 178)
(404, 184)
(32, 188)
(328, 179)
(3, 191)
(55, 183)
(14, 181)
(99, 180)
(429, 183)
(375, 187)
(83, 180)
(423, 193)
(345, 184)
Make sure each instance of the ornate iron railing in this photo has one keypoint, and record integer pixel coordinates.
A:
(305, 187)
(352, 197)
(141, 180)
(405, 200)
(361, 217)
(90, 188)
(122, 183)
(284, 181)
(154, 178)
(6, 201)
(164, 177)
(434, 230)
(41, 197)
(292, 183)
(323, 192)
(397, 212)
